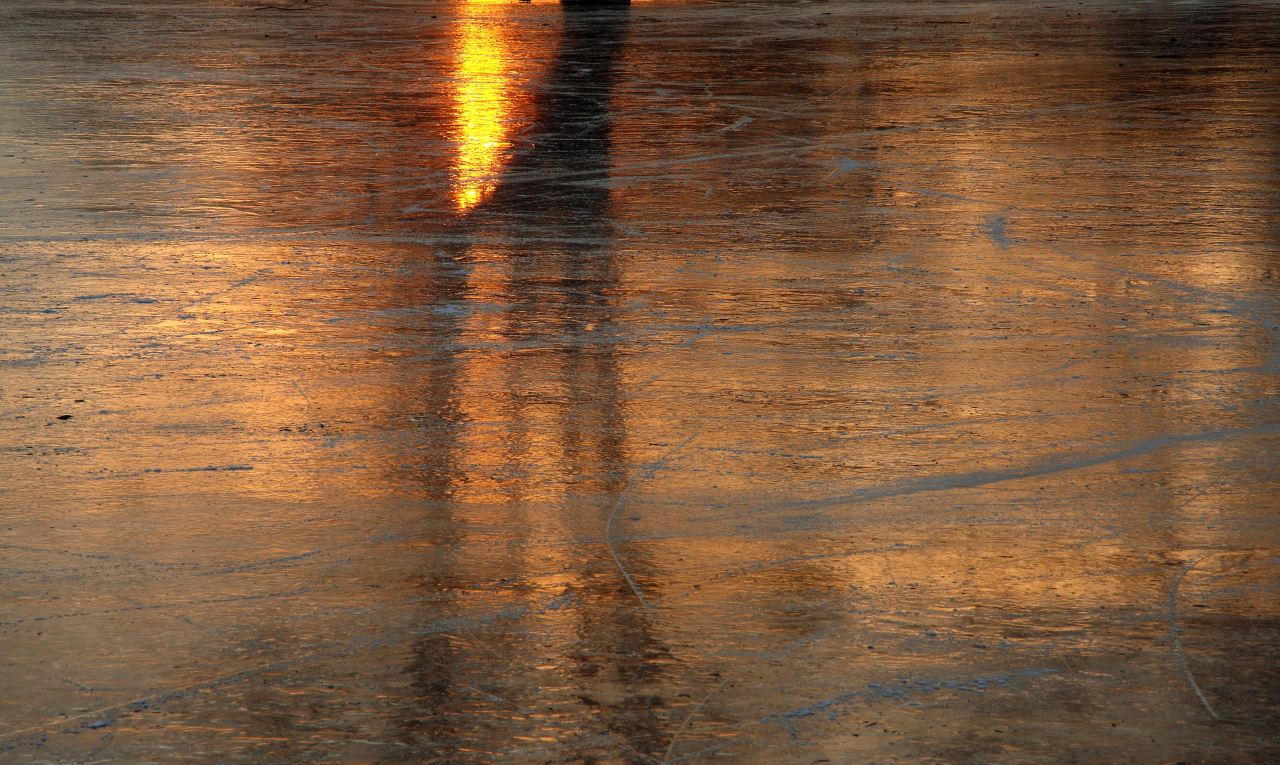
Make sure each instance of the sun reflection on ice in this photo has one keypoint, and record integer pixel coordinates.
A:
(483, 97)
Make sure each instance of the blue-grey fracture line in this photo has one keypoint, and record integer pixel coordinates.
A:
(984, 477)
(1177, 639)
(608, 528)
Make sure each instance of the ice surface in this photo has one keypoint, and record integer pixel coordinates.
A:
(500, 382)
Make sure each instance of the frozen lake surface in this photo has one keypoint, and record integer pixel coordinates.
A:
(495, 382)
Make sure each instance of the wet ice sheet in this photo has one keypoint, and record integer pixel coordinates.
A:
(474, 383)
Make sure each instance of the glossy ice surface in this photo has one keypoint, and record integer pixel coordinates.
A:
(491, 382)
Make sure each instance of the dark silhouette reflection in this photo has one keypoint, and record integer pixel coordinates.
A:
(436, 473)
(552, 182)
(523, 408)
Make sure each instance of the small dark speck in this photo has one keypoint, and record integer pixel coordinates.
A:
(79, 401)
(64, 417)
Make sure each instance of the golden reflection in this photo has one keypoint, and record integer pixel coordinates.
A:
(483, 95)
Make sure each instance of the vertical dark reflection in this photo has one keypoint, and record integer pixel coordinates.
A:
(435, 474)
(555, 418)
(564, 279)
(560, 188)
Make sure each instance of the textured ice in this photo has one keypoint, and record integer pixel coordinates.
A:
(500, 382)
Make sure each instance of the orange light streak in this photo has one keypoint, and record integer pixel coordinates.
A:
(483, 98)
